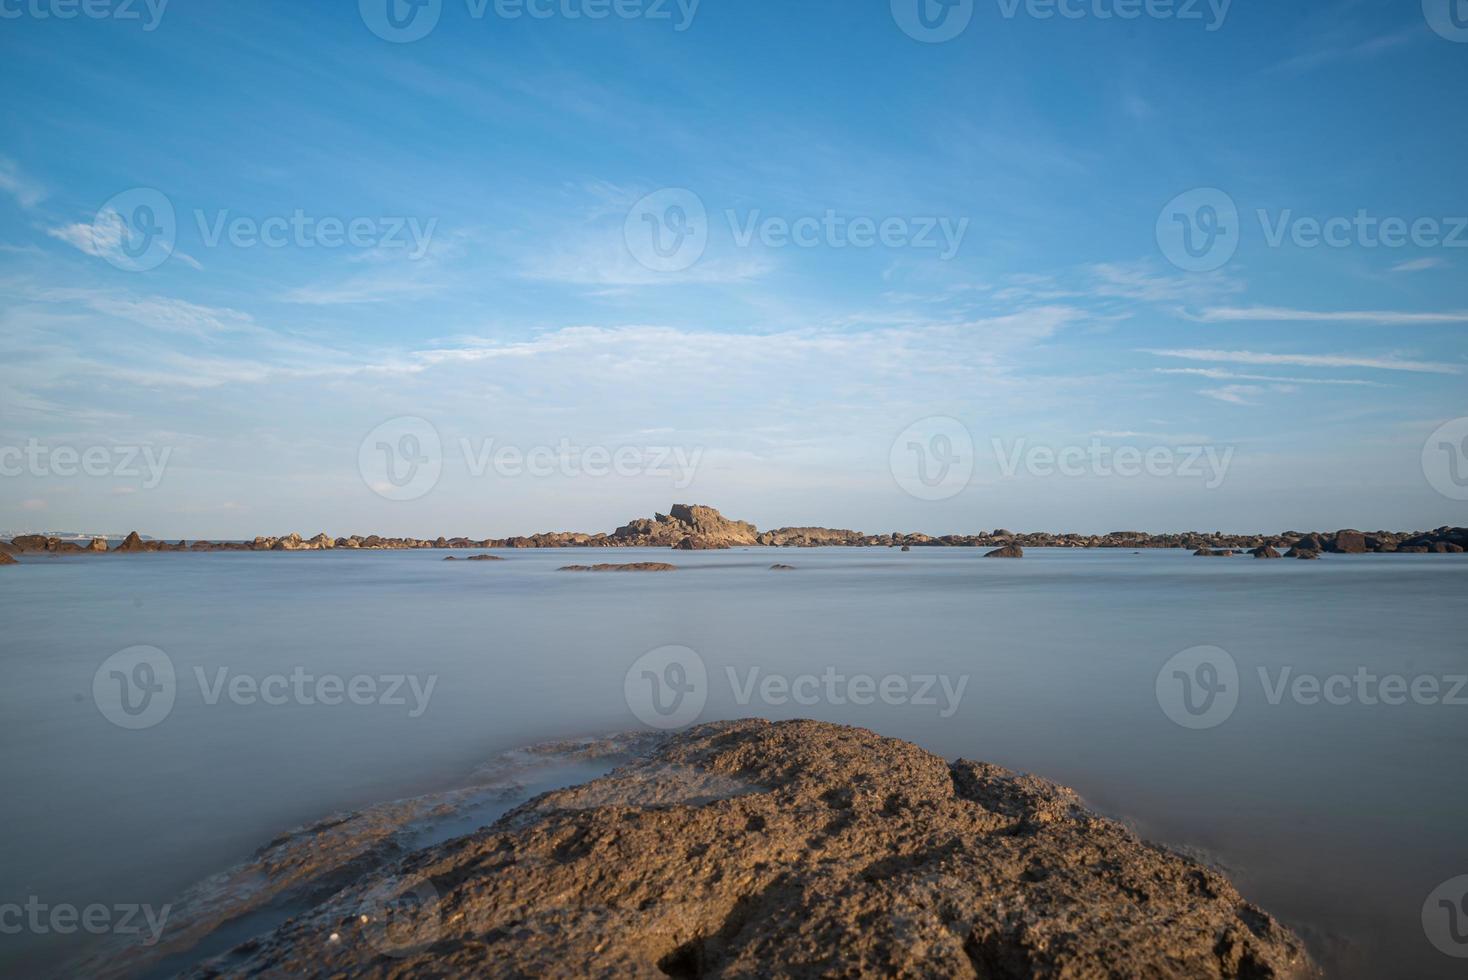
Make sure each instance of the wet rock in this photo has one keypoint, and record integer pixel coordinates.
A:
(1348, 542)
(6, 559)
(796, 849)
(634, 566)
(782, 568)
(1265, 551)
(1008, 551)
(1213, 553)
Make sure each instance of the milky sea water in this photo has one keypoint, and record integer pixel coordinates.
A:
(1341, 815)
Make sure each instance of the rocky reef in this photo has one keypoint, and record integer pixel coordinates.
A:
(693, 527)
(791, 849)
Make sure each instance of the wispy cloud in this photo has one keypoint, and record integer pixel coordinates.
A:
(1307, 360)
(1279, 314)
(1420, 265)
(26, 192)
(1327, 51)
(1223, 374)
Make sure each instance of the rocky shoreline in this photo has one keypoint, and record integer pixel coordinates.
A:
(691, 527)
(751, 848)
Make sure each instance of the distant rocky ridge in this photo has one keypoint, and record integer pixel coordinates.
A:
(691, 527)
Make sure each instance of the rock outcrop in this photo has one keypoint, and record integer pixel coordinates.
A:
(1265, 551)
(692, 527)
(1008, 551)
(795, 849)
(131, 544)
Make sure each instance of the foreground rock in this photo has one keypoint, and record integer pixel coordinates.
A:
(801, 848)
(5, 559)
(1008, 551)
(631, 566)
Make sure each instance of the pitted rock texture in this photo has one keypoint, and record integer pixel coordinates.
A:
(794, 849)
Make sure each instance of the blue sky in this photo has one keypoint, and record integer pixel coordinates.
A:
(498, 171)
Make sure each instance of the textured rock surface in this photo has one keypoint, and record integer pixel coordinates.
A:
(5, 559)
(631, 566)
(1008, 551)
(753, 849)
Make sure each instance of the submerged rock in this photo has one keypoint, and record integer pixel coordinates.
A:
(777, 567)
(632, 566)
(780, 850)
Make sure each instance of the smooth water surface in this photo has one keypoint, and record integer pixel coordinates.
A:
(1338, 818)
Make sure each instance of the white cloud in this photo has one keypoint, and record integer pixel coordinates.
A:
(1249, 314)
(1420, 265)
(1223, 374)
(1307, 360)
(26, 192)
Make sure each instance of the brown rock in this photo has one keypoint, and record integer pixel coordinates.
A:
(131, 544)
(1348, 543)
(635, 566)
(5, 559)
(1008, 551)
(797, 849)
(1265, 551)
